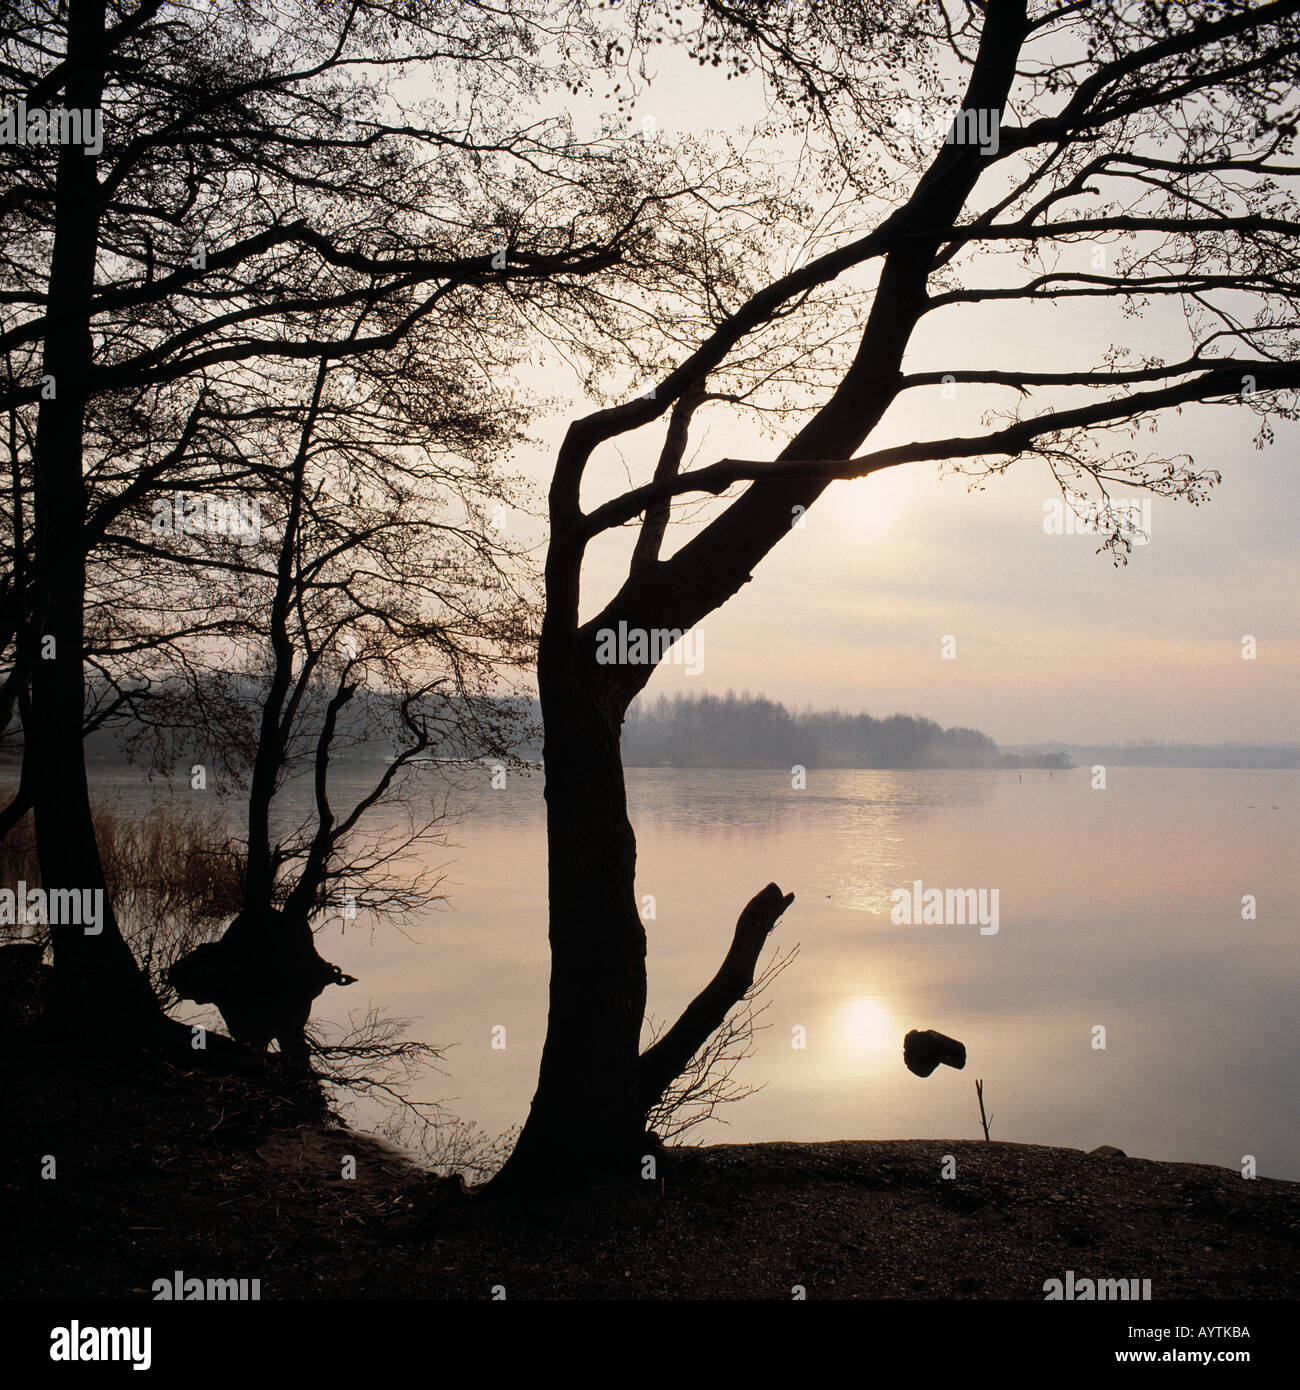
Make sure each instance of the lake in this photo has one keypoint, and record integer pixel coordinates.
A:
(1118, 909)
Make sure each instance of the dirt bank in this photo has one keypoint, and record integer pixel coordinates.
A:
(159, 1169)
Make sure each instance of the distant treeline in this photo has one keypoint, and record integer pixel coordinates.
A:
(213, 718)
(731, 730)
(740, 731)
(743, 731)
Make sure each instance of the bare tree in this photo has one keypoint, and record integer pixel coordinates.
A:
(1164, 133)
(388, 595)
(259, 178)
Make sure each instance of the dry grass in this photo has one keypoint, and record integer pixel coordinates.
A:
(172, 877)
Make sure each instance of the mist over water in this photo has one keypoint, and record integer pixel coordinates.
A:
(1119, 909)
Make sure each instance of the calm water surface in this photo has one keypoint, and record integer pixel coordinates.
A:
(1119, 909)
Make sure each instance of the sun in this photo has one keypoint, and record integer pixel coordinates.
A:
(865, 1024)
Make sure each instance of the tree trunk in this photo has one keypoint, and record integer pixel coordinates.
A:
(586, 1115)
(97, 973)
(591, 1097)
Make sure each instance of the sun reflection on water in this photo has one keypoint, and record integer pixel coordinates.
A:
(865, 1024)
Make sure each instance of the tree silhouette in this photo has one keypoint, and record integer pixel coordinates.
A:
(265, 197)
(1162, 133)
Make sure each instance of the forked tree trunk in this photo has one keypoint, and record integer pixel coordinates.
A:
(596, 1086)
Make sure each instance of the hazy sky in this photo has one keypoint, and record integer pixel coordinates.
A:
(1052, 641)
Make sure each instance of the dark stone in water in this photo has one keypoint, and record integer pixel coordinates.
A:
(924, 1051)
